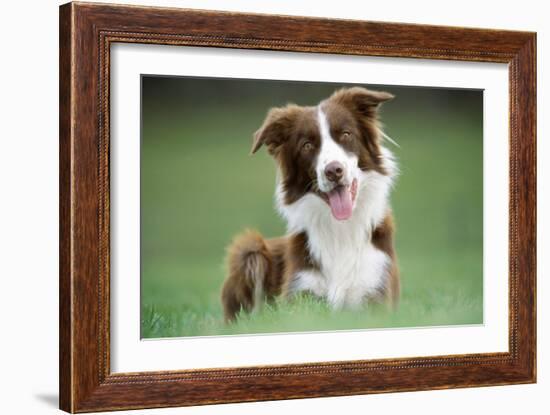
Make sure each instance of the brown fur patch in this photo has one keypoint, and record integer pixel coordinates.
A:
(382, 238)
(286, 131)
(355, 110)
(252, 261)
(297, 258)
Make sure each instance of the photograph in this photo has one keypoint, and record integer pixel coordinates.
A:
(277, 206)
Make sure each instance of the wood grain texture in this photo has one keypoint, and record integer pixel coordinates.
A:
(86, 33)
(65, 247)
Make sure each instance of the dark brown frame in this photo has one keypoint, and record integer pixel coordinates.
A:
(86, 33)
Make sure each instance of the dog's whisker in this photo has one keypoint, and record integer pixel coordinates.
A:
(391, 140)
(312, 185)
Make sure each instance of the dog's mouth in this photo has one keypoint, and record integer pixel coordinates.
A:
(341, 200)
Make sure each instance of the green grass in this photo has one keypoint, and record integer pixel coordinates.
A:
(196, 311)
(199, 187)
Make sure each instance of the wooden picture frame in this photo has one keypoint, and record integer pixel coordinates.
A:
(86, 33)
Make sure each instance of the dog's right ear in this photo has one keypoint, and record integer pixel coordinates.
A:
(258, 141)
(275, 129)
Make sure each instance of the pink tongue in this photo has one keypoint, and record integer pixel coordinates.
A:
(340, 203)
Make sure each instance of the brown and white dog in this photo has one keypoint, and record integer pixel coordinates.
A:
(333, 183)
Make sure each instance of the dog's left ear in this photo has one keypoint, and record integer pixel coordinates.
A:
(362, 100)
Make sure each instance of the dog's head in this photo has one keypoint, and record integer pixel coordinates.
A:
(325, 150)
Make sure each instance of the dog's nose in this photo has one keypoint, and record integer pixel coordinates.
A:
(334, 171)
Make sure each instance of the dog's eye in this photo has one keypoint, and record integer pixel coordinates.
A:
(307, 146)
(346, 135)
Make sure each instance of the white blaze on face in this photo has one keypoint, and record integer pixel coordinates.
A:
(331, 151)
(340, 196)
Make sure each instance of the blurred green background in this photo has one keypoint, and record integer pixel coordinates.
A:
(200, 186)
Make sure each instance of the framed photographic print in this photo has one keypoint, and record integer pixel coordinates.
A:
(258, 207)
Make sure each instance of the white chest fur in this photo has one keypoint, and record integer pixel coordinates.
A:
(351, 268)
(348, 274)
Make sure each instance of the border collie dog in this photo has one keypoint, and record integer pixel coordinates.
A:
(333, 183)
